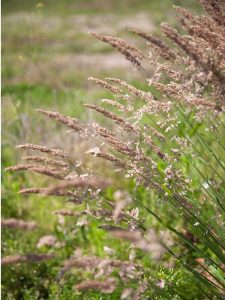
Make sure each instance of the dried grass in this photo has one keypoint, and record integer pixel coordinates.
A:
(150, 152)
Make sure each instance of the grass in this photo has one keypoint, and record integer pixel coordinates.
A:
(47, 57)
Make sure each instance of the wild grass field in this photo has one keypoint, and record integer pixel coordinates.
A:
(48, 54)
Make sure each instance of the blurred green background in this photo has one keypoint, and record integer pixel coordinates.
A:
(47, 56)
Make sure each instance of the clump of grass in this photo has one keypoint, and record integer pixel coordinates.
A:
(168, 141)
(15, 259)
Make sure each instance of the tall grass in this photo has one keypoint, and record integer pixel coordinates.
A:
(167, 140)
